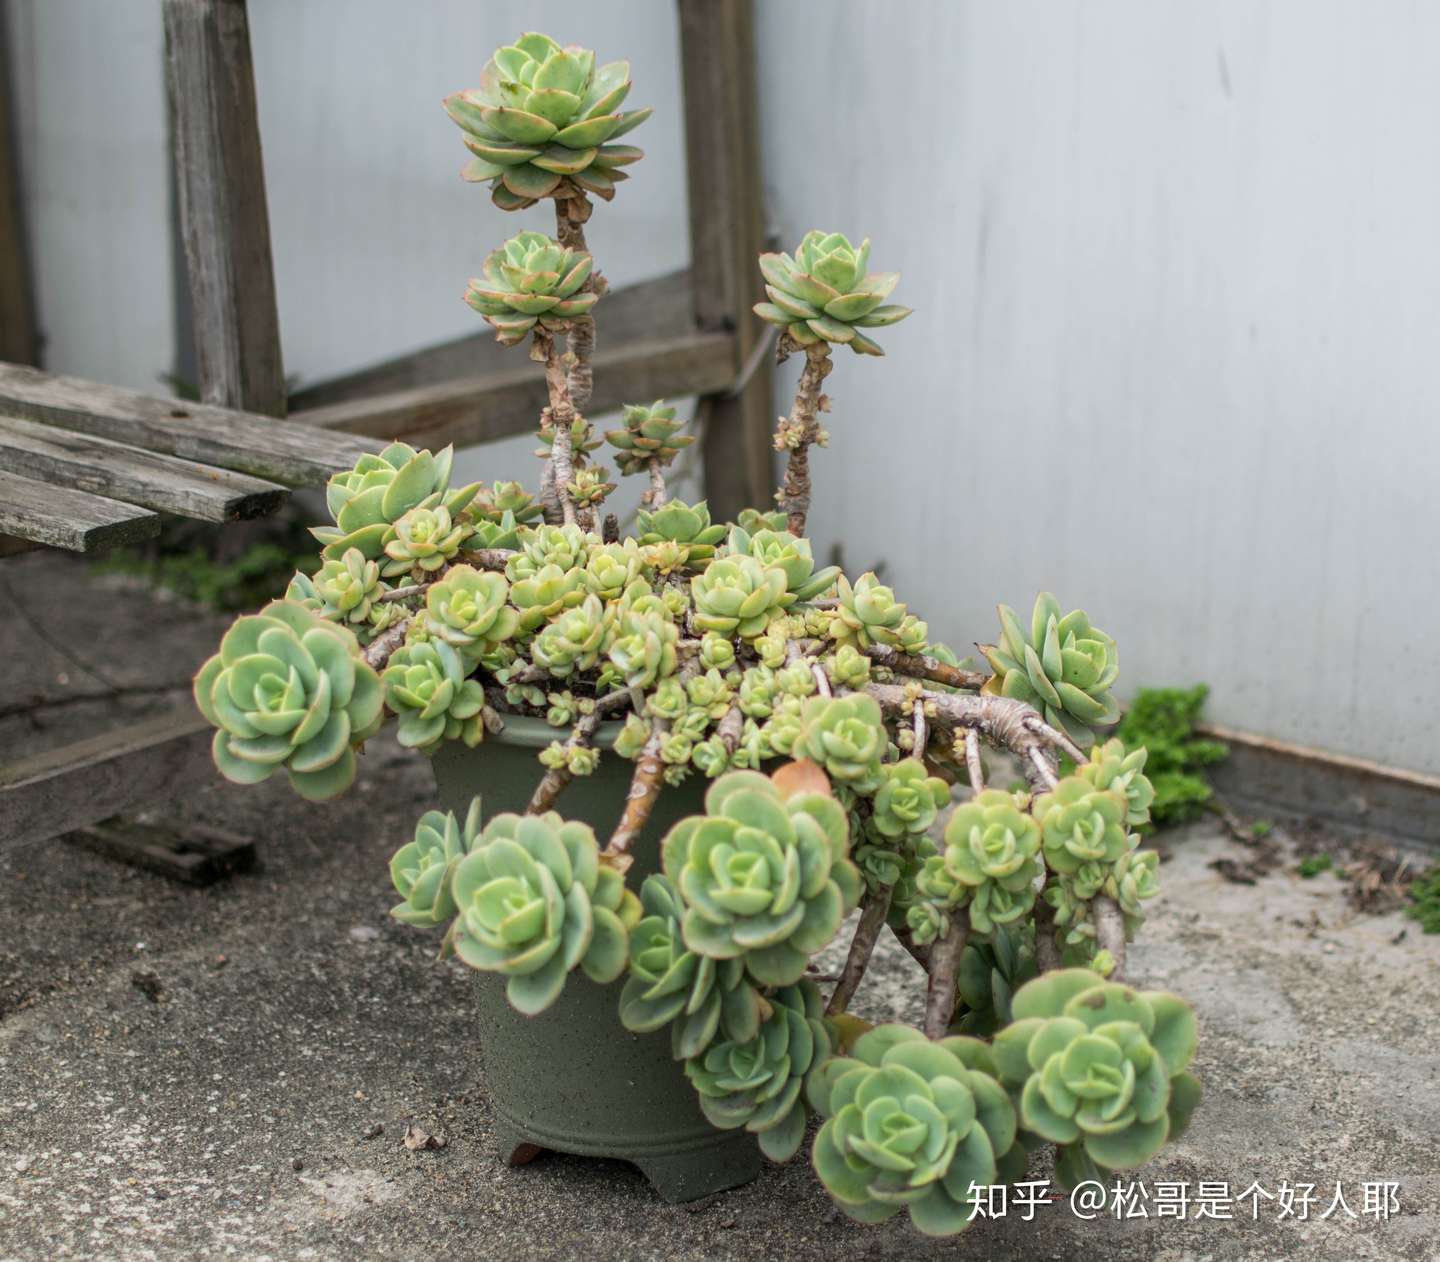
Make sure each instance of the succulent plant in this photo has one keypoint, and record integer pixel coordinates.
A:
(1081, 825)
(1111, 766)
(763, 877)
(379, 490)
(535, 901)
(423, 541)
(1064, 667)
(738, 596)
(301, 591)
(289, 689)
(347, 587)
(650, 433)
(759, 1083)
(500, 499)
(643, 649)
(824, 293)
(1100, 1065)
(845, 735)
(912, 1125)
(423, 868)
(425, 686)
(849, 667)
(716, 651)
(868, 614)
(781, 549)
(685, 524)
(531, 280)
(990, 973)
(704, 997)
(467, 609)
(542, 596)
(908, 799)
(574, 640)
(991, 844)
(540, 120)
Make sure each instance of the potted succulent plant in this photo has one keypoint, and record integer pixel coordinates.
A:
(754, 748)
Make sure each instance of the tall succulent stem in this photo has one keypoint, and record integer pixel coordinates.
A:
(561, 417)
(797, 432)
(1047, 954)
(874, 907)
(944, 964)
(571, 214)
(555, 780)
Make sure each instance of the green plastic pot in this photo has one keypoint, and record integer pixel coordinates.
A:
(573, 1079)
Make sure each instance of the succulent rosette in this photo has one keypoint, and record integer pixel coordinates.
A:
(541, 597)
(824, 293)
(847, 736)
(505, 499)
(531, 280)
(365, 500)
(1111, 766)
(738, 596)
(1099, 1065)
(1063, 666)
(991, 844)
(426, 688)
(759, 1083)
(574, 640)
(649, 434)
(908, 799)
(1081, 825)
(763, 876)
(782, 550)
(687, 525)
(912, 1125)
(289, 689)
(542, 120)
(535, 901)
(643, 649)
(348, 587)
(422, 541)
(467, 609)
(868, 613)
(990, 972)
(704, 997)
(563, 546)
(422, 869)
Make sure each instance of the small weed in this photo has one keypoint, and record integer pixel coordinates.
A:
(1425, 904)
(1163, 720)
(1313, 865)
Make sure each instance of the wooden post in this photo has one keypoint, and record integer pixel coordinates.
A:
(726, 233)
(223, 219)
(17, 316)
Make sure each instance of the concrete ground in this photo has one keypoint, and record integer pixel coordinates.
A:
(228, 1073)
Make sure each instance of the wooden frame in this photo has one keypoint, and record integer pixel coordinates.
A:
(688, 333)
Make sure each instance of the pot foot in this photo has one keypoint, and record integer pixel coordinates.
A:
(515, 1150)
(688, 1176)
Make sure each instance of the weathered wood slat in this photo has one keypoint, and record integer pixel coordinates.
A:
(100, 467)
(282, 451)
(62, 518)
(726, 234)
(223, 218)
(145, 761)
(479, 409)
(198, 856)
(17, 313)
(651, 309)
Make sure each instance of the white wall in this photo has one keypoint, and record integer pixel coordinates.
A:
(1174, 268)
(1176, 272)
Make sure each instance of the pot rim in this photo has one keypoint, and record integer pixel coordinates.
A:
(531, 732)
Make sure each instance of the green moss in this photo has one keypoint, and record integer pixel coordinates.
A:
(1314, 864)
(1425, 906)
(1163, 720)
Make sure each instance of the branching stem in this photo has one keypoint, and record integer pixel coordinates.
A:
(944, 965)
(873, 909)
(644, 789)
